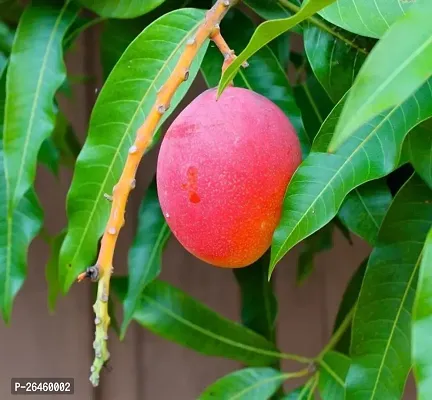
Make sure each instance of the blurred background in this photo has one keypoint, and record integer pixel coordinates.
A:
(144, 366)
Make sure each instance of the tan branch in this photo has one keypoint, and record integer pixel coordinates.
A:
(103, 269)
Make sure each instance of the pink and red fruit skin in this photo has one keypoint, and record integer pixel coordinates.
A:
(222, 173)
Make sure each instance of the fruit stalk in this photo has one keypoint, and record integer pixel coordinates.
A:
(103, 269)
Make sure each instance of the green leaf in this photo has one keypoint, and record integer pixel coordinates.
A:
(259, 304)
(17, 230)
(6, 38)
(127, 96)
(364, 208)
(316, 243)
(36, 70)
(421, 324)
(314, 104)
(246, 384)
(381, 334)
(145, 255)
(268, 31)
(419, 149)
(49, 156)
(51, 271)
(265, 75)
(366, 18)
(121, 8)
(333, 370)
(390, 74)
(269, 9)
(172, 314)
(303, 392)
(323, 180)
(349, 301)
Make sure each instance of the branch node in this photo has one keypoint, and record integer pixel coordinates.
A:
(161, 109)
(108, 197)
(133, 183)
(191, 41)
(133, 149)
(186, 74)
(112, 231)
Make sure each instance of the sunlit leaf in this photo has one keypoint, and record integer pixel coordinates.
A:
(121, 107)
(321, 183)
(391, 73)
(266, 32)
(381, 333)
(246, 384)
(146, 252)
(36, 70)
(422, 323)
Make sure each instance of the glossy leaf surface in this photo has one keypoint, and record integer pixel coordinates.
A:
(391, 73)
(321, 183)
(246, 384)
(121, 107)
(121, 8)
(381, 336)
(36, 70)
(333, 369)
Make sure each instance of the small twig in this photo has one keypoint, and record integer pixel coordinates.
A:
(127, 180)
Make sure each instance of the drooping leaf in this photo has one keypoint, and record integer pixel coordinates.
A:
(145, 255)
(316, 243)
(259, 304)
(51, 271)
(17, 229)
(323, 180)
(36, 70)
(349, 300)
(421, 325)
(265, 75)
(49, 156)
(419, 149)
(381, 334)
(121, 8)
(333, 369)
(121, 107)
(364, 208)
(173, 315)
(246, 384)
(391, 73)
(268, 31)
(366, 18)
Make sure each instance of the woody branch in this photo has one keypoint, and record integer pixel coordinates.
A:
(103, 269)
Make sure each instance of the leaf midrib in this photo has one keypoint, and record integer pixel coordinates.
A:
(210, 333)
(117, 152)
(396, 320)
(257, 384)
(362, 144)
(34, 104)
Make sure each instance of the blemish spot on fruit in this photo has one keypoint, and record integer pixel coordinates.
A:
(193, 197)
(192, 175)
(166, 215)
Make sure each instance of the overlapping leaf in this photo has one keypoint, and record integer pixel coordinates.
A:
(266, 32)
(246, 384)
(419, 149)
(364, 208)
(381, 335)
(366, 18)
(422, 324)
(17, 230)
(145, 255)
(321, 183)
(391, 73)
(259, 304)
(333, 369)
(173, 315)
(121, 8)
(124, 101)
(264, 75)
(35, 72)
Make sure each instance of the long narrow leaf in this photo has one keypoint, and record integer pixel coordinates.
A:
(381, 336)
(124, 101)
